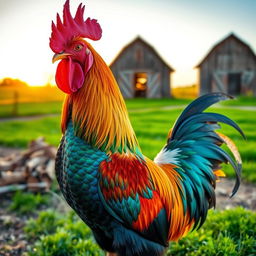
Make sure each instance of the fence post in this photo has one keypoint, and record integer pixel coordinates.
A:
(15, 103)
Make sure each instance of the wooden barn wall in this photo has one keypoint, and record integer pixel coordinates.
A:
(229, 57)
(166, 81)
(139, 58)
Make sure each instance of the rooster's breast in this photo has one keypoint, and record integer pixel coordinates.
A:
(77, 166)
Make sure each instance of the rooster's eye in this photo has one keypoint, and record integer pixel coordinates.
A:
(78, 47)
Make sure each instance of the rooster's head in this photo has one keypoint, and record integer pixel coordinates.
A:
(68, 45)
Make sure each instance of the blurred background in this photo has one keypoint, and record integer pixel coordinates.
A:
(163, 54)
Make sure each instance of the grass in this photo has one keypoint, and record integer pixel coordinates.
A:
(58, 235)
(19, 133)
(53, 107)
(38, 108)
(24, 203)
(31, 109)
(141, 103)
(151, 127)
(230, 232)
(241, 101)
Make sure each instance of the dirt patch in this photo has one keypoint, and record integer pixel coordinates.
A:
(245, 197)
(12, 238)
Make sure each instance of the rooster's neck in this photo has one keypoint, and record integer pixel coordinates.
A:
(99, 113)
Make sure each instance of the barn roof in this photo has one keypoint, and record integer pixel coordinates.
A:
(220, 43)
(146, 44)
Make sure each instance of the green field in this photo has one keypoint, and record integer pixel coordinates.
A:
(151, 123)
(30, 109)
(38, 108)
(240, 101)
(229, 232)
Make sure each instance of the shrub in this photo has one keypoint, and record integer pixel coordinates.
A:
(65, 243)
(225, 233)
(24, 202)
(230, 232)
(46, 223)
(58, 235)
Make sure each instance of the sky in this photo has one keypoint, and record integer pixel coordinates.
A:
(182, 32)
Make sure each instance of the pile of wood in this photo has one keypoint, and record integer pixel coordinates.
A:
(32, 169)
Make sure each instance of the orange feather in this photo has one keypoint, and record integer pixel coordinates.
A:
(100, 97)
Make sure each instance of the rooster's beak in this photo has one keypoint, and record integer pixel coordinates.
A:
(59, 56)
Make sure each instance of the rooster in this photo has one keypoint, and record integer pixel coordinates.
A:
(133, 205)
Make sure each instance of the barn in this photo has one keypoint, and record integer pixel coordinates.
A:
(230, 67)
(141, 72)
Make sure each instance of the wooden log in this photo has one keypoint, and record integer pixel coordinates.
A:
(9, 177)
(12, 188)
(35, 165)
(50, 169)
(32, 163)
(32, 180)
(13, 163)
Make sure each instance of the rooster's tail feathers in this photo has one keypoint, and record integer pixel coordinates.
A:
(194, 147)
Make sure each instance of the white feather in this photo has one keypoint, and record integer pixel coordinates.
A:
(168, 156)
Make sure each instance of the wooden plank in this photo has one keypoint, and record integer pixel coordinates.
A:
(154, 85)
(247, 78)
(126, 85)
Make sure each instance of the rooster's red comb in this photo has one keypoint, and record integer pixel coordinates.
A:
(71, 27)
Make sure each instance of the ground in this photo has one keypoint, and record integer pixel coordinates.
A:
(12, 237)
(13, 241)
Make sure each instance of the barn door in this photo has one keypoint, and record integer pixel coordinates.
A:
(125, 82)
(154, 85)
(234, 83)
(218, 82)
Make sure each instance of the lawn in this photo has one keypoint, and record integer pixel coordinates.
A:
(30, 109)
(222, 232)
(36, 106)
(51, 107)
(151, 126)
(53, 233)
(241, 101)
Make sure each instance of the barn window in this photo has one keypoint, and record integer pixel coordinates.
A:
(140, 84)
(234, 83)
